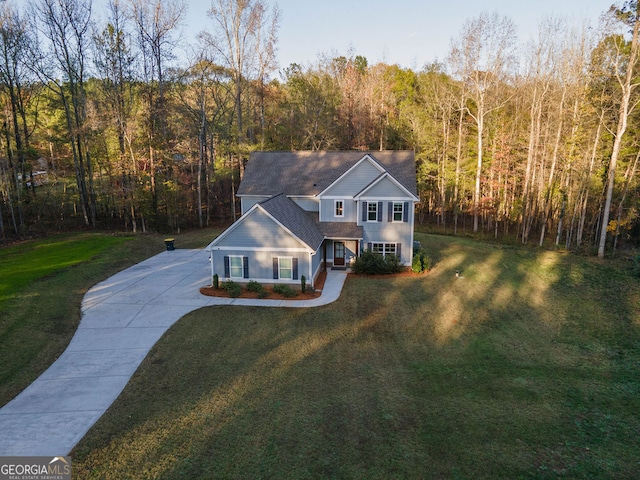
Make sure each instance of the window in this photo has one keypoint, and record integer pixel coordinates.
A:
(372, 212)
(384, 248)
(285, 267)
(398, 211)
(339, 210)
(235, 267)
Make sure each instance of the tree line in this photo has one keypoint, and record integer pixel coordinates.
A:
(112, 121)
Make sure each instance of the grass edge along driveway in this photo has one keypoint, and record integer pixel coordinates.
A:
(523, 366)
(41, 288)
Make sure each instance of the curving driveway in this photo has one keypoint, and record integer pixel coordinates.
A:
(122, 318)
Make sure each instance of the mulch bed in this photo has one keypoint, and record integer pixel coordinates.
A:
(220, 292)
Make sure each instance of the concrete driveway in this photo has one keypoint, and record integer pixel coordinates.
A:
(122, 318)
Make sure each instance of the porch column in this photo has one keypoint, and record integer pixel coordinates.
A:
(324, 253)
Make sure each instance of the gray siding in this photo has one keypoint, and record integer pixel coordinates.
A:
(328, 205)
(259, 230)
(355, 181)
(247, 202)
(261, 265)
(316, 264)
(308, 204)
(392, 232)
(384, 189)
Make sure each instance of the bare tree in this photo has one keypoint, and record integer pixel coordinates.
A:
(483, 58)
(114, 63)
(14, 80)
(156, 22)
(624, 70)
(66, 25)
(244, 37)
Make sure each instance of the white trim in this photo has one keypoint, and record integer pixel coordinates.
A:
(368, 220)
(343, 238)
(386, 199)
(241, 257)
(393, 212)
(235, 225)
(360, 195)
(280, 277)
(353, 167)
(261, 249)
(384, 244)
(231, 228)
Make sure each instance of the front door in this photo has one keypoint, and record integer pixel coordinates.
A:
(338, 254)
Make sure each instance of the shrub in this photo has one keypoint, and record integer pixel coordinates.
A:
(421, 262)
(393, 264)
(285, 290)
(232, 288)
(216, 281)
(258, 288)
(375, 264)
(303, 284)
(416, 263)
(254, 286)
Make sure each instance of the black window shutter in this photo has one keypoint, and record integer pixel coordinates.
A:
(405, 212)
(227, 272)
(364, 211)
(390, 217)
(379, 211)
(369, 246)
(399, 250)
(245, 267)
(294, 262)
(275, 268)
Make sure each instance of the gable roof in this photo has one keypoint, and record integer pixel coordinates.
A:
(309, 173)
(377, 181)
(291, 216)
(285, 213)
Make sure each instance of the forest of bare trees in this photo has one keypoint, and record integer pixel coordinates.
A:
(110, 121)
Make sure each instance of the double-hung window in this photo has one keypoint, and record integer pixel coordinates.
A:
(339, 208)
(285, 267)
(398, 211)
(372, 212)
(236, 266)
(236, 269)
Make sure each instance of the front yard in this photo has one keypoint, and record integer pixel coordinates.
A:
(524, 365)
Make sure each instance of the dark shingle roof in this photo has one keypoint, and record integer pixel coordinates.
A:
(309, 173)
(294, 218)
(342, 230)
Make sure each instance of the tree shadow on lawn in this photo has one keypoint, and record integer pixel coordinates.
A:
(405, 377)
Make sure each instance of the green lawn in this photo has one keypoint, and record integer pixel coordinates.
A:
(524, 366)
(41, 287)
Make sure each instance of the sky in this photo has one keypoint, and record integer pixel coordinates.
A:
(409, 33)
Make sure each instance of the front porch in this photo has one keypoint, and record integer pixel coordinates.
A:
(340, 253)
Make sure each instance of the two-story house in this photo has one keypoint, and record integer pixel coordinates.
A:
(303, 212)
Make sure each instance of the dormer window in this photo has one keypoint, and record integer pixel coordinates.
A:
(339, 208)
